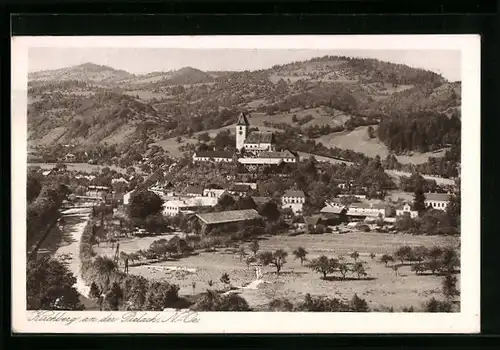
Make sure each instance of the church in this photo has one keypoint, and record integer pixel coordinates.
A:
(254, 141)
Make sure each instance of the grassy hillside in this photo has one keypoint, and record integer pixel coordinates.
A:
(331, 99)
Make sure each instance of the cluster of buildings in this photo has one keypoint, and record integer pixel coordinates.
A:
(373, 210)
(254, 148)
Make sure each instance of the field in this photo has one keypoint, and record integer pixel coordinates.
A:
(358, 141)
(83, 167)
(382, 288)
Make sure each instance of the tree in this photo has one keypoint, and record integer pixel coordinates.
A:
(419, 200)
(433, 265)
(372, 256)
(241, 253)
(94, 291)
(254, 247)
(270, 211)
(49, 286)
(277, 259)
(354, 255)
(33, 186)
(359, 270)
(280, 304)
(371, 132)
(225, 202)
(450, 260)
(225, 278)
(434, 305)
(300, 253)
(161, 295)
(250, 260)
(114, 297)
(358, 304)
(213, 301)
(449, 286)
(343, 269)
(403, 253)
(144, 203)
(420, 253)
(418, 268)
(386, 258)
(323, 265)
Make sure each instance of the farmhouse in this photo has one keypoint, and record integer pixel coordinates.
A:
(405, 209)
(209, 221)
(213, 192)
(194, 191)
(437, 200)
(366, 209)
(239, 190)
(119, 180)
(187, 205)
(97, 191)
(70, 157)
(213, 156)
(294, 200)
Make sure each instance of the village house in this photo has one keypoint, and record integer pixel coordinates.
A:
(214, 192)
(259, 200)
(97, 191)
(186, 205)
(239, 190)
(119, 180)
(126, 198)
(213, 156)
(210, 221)
(252, 185)
(437, 200)
(357, 196)
(405, 209)
(366, 210)
(322, 219)
(293, 199)
(193, 191)
(70, 157)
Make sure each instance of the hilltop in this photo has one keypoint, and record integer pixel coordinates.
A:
(87, 72)
(324, 99)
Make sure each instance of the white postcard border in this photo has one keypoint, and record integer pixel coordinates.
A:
(467, 321)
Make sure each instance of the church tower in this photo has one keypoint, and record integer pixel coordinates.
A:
(241, 131)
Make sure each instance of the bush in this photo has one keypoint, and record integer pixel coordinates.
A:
(434, 305)
(280, 304)
(213, 301)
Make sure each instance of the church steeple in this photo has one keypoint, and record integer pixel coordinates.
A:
(242, 119)
(241, 131)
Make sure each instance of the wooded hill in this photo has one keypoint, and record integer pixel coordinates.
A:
(89, 103)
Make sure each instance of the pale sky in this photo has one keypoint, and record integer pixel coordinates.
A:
(146, 60)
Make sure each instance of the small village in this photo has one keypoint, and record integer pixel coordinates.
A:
(193, 234)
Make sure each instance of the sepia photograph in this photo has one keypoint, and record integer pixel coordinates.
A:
(183, 182)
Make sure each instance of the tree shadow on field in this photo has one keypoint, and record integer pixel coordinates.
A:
(286, 273)
(340, 279)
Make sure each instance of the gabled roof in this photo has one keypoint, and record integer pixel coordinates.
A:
(214, 154)
(437, 197)
(260, 137)
(229, 216)
(194, 190)
(294, 193)
(260, 200)
(242, 120)
(282, 154)
(239, 188)
(331, 210)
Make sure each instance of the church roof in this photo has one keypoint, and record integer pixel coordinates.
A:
(242, 120)
(260, 137)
